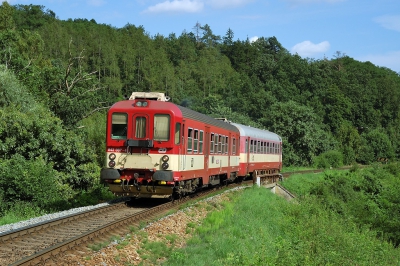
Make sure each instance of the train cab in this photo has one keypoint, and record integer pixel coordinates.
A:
(143, 136)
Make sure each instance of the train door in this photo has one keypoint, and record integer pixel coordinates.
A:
(247, 150)
(140, 126)
(206, 148)
(182, 154)
(228, 148)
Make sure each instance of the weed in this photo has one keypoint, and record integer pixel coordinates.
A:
(99, 246)
(171, 238)
(191, 225)
(122, 244)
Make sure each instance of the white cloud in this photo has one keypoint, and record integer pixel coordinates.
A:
(96, 2)
(228, 3)
(309, 49)
(253, 39)
(389, 22)
(183, 6)
(390, 60)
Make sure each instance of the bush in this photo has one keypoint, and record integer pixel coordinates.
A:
(329, 159)
(375, 144)
(21, 210)
(33, 181)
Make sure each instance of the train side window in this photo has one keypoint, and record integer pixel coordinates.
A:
(251, 146)
(119, 126)
(267, 147)
(258, 146)
(212, 143)
(196, 140)
(216, 143)
(178, 133)
(234, 145)
(226, 145)
(220, 144)
(161, 127)
(140, 130)
(190, 140)
(246, 146)
(273, 148)
(201, 141)
(262, 147)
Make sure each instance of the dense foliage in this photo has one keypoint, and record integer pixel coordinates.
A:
(368, 197)
(57, 79)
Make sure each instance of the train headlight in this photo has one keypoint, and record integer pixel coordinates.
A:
(141, 104)
(165, 166)
(111, 163)
(165, 158)
(112, 156)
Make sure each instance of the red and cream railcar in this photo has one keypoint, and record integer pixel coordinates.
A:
(260, 152)
(156, 148)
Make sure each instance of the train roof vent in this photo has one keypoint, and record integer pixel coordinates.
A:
(155, 96)
(223, 119)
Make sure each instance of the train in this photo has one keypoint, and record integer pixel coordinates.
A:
(158, 149)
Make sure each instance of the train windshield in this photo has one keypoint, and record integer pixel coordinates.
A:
(161, 127)
(119, 126)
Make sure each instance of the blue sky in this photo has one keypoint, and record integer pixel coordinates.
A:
(366, 30)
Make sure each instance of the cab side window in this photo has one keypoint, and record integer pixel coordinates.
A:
(119, 125)
(178, 133)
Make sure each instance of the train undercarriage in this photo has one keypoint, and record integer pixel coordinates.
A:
(148, 188)
(144, 186)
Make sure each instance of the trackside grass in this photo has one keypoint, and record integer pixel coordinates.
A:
(259, 228)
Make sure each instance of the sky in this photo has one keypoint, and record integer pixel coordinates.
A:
(366, 30)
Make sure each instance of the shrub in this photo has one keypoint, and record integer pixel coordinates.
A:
(329, 159)
(375, 144)
(34, 181)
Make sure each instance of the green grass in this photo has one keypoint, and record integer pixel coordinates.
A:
(286, 169)
(21, 211)
(301, 184)
(260, 228)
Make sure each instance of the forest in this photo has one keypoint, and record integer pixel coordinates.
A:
(58, 78)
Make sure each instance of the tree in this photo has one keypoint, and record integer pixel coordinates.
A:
(228, 38)
(6, 17)
(303, 132)
(208, 38)
(375, 144)
(349, 142)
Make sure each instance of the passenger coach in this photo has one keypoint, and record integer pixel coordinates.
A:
(260, 152)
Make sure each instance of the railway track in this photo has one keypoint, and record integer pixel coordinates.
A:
(30, 245)
(41, 244)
